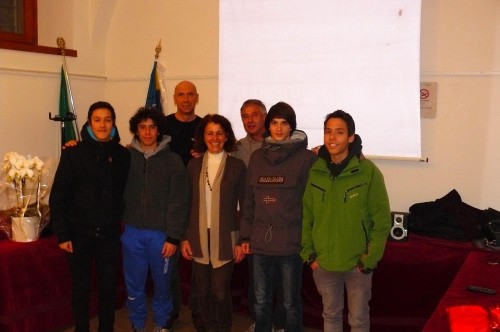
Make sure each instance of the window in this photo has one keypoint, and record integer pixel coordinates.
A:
(19, 28)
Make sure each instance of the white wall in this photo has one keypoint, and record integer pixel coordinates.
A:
(460, 50)
(29, 82)
(189, 37)
(115, 41)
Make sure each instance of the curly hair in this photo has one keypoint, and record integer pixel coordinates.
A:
(143, 114)
(199, 141)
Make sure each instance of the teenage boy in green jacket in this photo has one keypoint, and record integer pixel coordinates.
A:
(346, 222)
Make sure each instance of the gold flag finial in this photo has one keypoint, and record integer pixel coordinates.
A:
(158, 49)
(61, 44)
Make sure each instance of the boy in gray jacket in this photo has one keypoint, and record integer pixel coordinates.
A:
(157, 197)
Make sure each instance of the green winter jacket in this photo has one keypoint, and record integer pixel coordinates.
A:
(346, 220)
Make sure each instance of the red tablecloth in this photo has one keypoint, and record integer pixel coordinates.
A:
(481, 268)
(35, 287)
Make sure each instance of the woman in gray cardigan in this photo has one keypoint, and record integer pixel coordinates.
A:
(217, 187)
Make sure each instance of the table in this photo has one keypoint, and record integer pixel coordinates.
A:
(481, 268)
(35, 287)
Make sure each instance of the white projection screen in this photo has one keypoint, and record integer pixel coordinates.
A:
(360, 56)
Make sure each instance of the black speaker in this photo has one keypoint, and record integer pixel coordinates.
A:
(399, 230)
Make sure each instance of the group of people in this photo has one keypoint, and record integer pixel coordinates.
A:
(186, 186)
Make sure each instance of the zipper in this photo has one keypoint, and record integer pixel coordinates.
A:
(351, 189)
(321, 189)
(366, 236)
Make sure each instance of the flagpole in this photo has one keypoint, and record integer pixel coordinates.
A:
(62, 46)
(156, 91)
(158, 50)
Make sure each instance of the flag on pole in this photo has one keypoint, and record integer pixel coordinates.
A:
(156, 91)
(64, 109)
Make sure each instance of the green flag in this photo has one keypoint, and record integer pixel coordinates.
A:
(69, 128)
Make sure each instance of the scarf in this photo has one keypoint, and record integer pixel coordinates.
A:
(210, 254)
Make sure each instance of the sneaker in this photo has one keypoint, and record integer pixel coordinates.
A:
(251, 328)
(160, 329)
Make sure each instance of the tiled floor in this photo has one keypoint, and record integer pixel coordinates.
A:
(240, 323)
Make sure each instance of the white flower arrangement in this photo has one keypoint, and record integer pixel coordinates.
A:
(23, 189)
(18, 167)
(23, 174)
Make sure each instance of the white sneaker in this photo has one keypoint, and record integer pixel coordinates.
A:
(251, 328)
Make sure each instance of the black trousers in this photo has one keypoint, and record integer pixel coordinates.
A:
(103, 254)
(214, 295)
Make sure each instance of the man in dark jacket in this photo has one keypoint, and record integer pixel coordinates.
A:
(86, 204)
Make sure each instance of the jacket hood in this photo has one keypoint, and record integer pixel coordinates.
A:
(277, 151)
(88, 136)
(163, 144)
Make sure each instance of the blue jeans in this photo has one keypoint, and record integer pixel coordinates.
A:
(288, 269)
(330, 286)
(278, 316)
(142, 251)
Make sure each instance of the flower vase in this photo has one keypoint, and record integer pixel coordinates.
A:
(26, 228)
(24, 176)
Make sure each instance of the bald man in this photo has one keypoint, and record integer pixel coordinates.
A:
(181, 125)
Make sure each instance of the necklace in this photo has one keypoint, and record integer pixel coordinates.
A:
(208, 180)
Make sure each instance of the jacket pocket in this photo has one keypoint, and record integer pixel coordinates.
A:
(320, 190)
(353, 192)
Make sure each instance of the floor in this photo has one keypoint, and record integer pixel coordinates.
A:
(240, 323)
